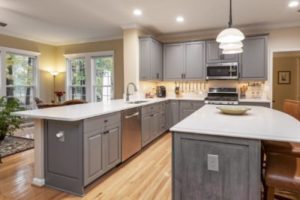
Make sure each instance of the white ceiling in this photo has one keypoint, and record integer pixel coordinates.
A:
(73, 21)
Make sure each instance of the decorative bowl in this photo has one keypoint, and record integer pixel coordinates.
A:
(233, 110)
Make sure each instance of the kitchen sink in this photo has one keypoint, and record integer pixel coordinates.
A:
(137, 102)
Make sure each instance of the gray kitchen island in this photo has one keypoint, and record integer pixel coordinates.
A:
(75, 145)
(218, 156)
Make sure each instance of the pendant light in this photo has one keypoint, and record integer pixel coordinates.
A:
(231, 38)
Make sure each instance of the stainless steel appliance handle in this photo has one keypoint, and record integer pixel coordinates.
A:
(132, 115)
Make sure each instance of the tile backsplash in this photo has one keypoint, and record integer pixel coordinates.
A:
(254, 89)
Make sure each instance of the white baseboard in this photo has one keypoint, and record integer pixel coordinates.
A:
(39, 182)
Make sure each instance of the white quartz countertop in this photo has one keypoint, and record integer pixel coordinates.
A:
(83, 111)
(88, 110)
(260, 123)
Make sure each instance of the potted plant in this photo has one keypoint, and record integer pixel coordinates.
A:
(9, 123)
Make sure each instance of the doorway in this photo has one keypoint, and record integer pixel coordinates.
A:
(286, 77)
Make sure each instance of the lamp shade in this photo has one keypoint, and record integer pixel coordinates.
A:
(232, 51)
(230, 35)
(54, 73)
(227, 46)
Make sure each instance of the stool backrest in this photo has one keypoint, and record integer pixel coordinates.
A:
(292, 107)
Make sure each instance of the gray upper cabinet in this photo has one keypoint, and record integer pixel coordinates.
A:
(214, 54)
(173, 61)
(254, 59)
(151, 61)
(145, 59)
(184, 61)
(194, 60)
(156, 60)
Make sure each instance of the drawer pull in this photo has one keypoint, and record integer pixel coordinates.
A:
(60, 136)
(105, 121)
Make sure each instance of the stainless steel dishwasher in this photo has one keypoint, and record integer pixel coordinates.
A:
(131, 132)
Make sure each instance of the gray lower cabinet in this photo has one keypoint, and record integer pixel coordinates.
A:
(188, 107)
(214, 54)
(102, 146)
(151, 59)
(212, 167)
(64, 156)
(153, 122)
(93, 156)
(112, 146)
(263, 104)
(172, 113)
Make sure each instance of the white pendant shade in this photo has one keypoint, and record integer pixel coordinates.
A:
(232, 51)
(230, 35)
(235, 45)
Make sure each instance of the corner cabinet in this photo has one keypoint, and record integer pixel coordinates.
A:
(254, 59)
(151, 59)
(214, 54)
(184, 61)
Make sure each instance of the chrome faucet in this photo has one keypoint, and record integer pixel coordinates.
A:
(127, 90)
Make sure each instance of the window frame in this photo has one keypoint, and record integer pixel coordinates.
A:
(89, 72)
(36, 76)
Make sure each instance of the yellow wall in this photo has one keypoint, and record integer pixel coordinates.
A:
(285, 91)
(113, 45)
(52, 59)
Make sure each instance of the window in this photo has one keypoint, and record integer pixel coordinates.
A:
(20, 77)
(103, 78)
(78, 78)
(90, 76)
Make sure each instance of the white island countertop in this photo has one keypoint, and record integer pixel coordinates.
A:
(83, 111)
(259, 123)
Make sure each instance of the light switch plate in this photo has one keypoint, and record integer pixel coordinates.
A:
(213, 162)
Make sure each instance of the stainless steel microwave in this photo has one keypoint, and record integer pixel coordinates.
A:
(222, 71)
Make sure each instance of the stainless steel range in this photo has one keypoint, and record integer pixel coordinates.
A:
(222, 96)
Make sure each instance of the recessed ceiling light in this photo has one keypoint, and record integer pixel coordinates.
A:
(137, 12)
(180, 19)
(293, 3)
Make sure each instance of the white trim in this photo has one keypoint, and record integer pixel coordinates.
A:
(19, 51)
(272, 51)
(91, 54)
(36, 71)
(89, 70)
(39, 182)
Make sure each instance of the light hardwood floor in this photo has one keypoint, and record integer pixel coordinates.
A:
(147, 176)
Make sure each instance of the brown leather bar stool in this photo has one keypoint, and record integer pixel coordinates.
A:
(283, 160)
(282, 172)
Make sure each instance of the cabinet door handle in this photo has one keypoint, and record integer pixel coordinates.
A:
(157, 75)
(182, 76)
(105, 132)
(60, 136)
